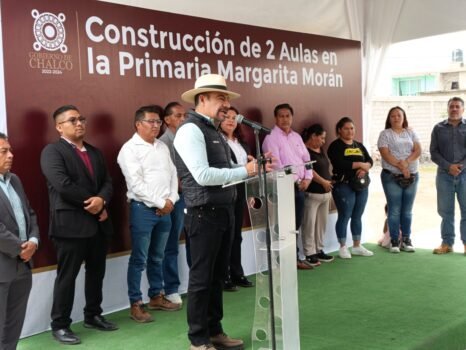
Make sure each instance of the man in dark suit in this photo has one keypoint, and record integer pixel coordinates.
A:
(79, 190)
(19, 237)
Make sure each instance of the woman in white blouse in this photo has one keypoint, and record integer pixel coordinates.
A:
(239, 155)
(400, 150)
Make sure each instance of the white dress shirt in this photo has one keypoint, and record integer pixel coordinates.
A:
(238, 150)
(149, 172)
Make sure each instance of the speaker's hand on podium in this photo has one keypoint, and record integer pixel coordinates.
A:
(252, 167)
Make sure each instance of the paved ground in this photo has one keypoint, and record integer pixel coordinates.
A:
(426, 222)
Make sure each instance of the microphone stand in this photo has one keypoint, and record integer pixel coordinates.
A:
(262, 177)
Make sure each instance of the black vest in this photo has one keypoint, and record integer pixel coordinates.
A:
(218, 156)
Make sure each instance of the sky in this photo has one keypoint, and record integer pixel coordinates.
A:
(419, 56)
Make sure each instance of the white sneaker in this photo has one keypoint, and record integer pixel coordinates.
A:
(407, 246)
(174, 298)
(361, 251)
(394, 246)
(344, 253)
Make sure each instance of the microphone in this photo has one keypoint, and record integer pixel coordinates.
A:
(240, 119)
(308, 165)
(291, 168)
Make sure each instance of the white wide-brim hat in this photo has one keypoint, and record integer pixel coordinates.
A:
(208, 83)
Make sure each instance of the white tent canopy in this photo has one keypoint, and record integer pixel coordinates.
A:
(376, 23)
(414, 19)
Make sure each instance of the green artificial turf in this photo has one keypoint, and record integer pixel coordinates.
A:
(388, 301)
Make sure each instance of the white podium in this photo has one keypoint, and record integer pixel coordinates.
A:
(281, 217)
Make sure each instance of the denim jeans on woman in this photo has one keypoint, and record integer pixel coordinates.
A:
(350, 205)
(447, 186)
(400, 205)
(149, 234)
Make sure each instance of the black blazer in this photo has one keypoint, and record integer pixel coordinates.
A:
(10, 243)
(70, 184)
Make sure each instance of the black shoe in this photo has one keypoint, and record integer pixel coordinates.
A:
(243, 282)
(324, 257)
(66, 336)
(313, 260)
(100, 323)
(229, 286)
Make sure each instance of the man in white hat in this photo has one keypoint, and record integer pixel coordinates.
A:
(204, 165)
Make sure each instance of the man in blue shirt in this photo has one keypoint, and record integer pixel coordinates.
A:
(448, 151)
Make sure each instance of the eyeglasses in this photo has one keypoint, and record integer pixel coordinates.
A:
(152, 121)
(74, 120)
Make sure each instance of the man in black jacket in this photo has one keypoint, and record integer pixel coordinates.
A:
(203, 164)
(79, 190)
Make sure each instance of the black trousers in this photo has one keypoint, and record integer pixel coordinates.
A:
(210, 232)
(299, 212)
(236, 269)
(299, 206)
(71, 253)
(13, 301)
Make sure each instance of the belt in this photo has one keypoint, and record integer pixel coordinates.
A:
(396, 175)
(211, 207)
(142, 203)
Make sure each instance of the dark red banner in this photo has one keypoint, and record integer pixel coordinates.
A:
(110, 59)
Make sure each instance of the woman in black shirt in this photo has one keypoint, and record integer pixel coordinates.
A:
(351, 163)
(317, 197)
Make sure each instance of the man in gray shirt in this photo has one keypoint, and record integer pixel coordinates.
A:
(174, 115)
(448, 151)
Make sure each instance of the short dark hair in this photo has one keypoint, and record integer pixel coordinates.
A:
(231, 108)
(456, 98)
(196, 100)
(141, 112)
(342, 122)
(3, 136)
(168, 110)
(314, 129)
(405, 119)
(282, 106)
(64, 109)
(197, 97)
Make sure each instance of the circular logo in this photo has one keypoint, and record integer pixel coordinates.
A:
(49, 31)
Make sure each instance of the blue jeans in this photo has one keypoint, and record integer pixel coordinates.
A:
(447, 186)
(400, 205)
(350, 205)
(171, 279)
(149, 234)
